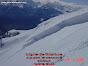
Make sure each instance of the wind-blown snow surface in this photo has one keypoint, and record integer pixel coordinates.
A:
(66, 34)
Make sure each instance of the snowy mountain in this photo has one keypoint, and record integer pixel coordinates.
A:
(29, 15)
(41, 3)
(66, 34)
(82, 2)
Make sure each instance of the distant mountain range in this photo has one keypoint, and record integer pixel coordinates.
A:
(82, 2)
(29, 15)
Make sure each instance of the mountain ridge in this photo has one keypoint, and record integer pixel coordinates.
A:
(28, 16)
(71, 41)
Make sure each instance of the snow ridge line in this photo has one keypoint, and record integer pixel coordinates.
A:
(69, 22)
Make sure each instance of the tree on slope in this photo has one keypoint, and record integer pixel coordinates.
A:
(1, 43)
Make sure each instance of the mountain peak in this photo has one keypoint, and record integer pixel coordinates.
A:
(46, 1)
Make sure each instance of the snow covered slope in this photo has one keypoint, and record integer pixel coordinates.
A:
(66, 34)
(14, 32)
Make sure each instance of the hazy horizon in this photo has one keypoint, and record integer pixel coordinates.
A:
(82, 2)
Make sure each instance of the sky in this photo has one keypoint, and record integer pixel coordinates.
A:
(82, 2)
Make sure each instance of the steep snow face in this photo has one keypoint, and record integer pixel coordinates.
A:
(66, 34)
(70, 41)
